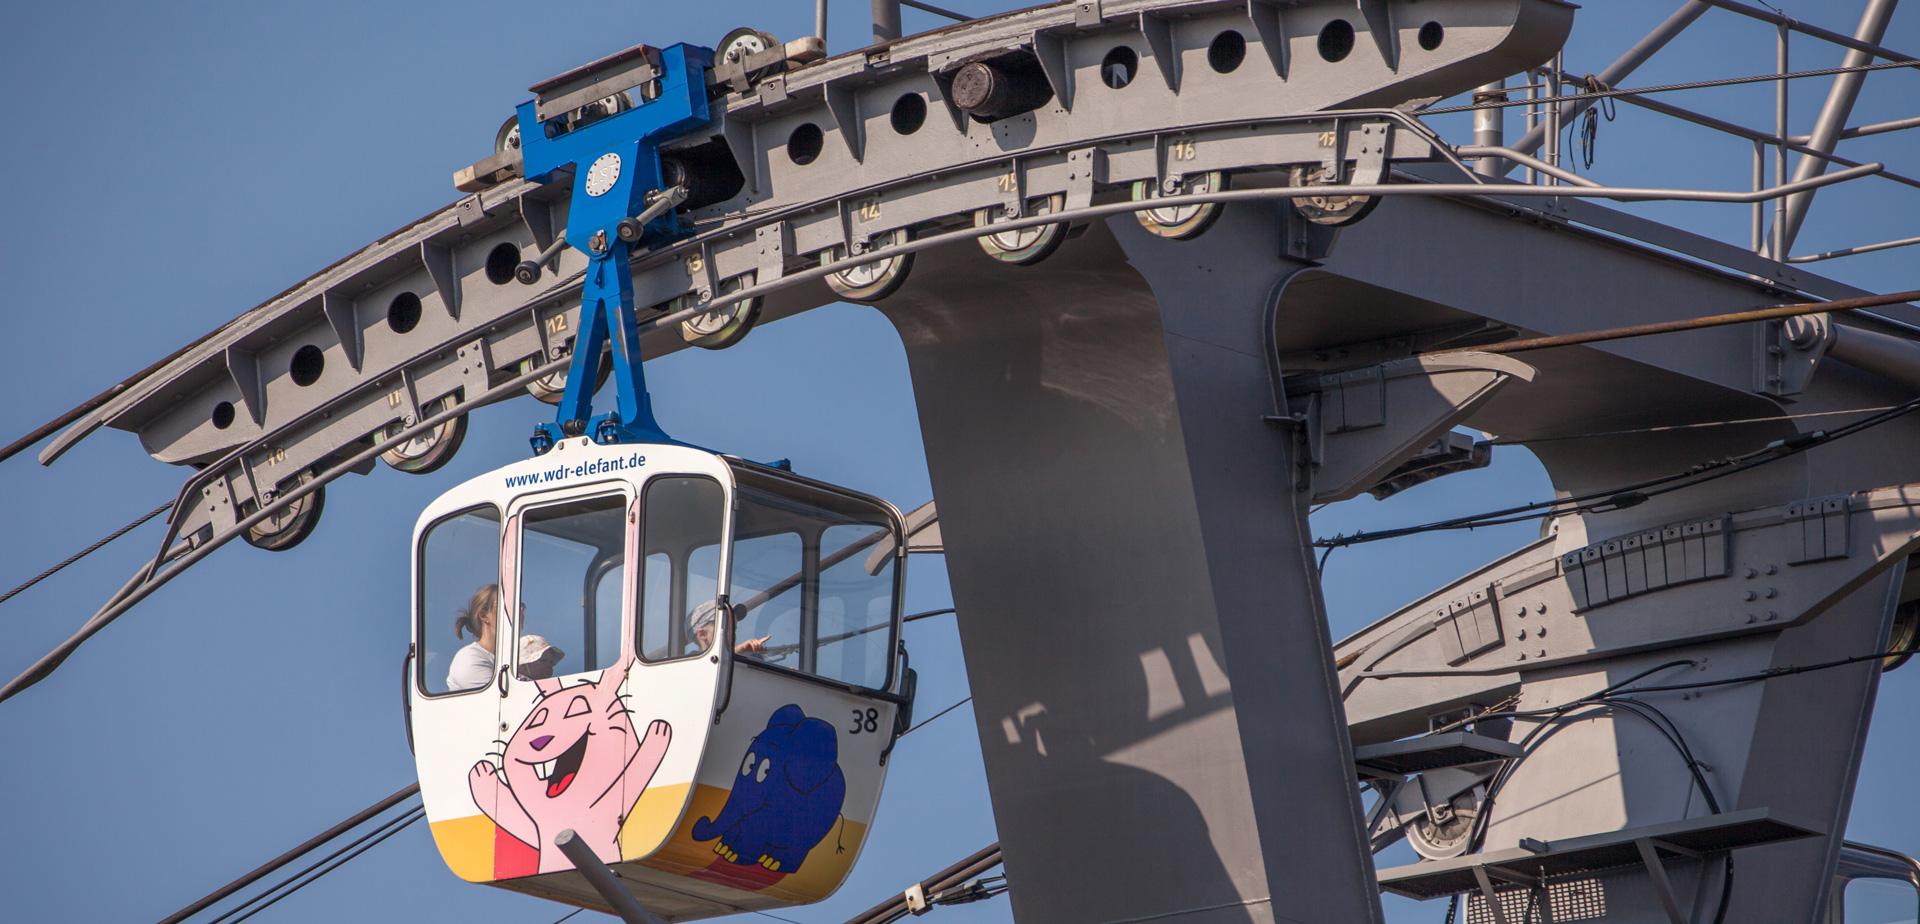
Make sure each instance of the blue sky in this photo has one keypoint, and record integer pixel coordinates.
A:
(174, 164)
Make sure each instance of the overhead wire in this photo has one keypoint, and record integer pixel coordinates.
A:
(1623, 696)
(1673, 87)
(1675, 428)
(89, 550)
(1636, 493)
(298, 851)
(1773, 672)
(254, 904)
(928, 720)
(390, 829)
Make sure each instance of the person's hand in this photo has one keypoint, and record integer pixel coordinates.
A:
(751, 645)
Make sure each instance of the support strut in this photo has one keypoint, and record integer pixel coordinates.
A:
(603, 879)
(619, 202)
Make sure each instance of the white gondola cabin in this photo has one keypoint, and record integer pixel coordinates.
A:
(569, 671)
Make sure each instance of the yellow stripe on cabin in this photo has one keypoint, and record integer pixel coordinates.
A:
(467, 846)
(652, 820)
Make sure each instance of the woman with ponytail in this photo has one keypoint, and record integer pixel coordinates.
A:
(472, 666)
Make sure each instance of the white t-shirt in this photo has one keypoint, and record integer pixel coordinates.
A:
(471, 668)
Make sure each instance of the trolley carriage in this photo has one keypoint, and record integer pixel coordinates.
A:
(715, 782)
(686, 663)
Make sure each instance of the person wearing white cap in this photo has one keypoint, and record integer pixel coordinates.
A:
(700, 623)
(537, 658)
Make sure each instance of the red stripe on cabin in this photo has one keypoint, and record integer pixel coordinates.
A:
(513, 857)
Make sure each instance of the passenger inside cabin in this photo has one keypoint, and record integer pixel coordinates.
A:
(472, 666)
(538, 658)
(700, 623)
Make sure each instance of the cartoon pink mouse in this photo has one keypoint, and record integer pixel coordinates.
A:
(574, 763)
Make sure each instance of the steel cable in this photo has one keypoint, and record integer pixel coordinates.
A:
(1673, 87)
(1621, 697)
(928, 720)
(1636, 493)
(302, 849)
(89, 550)
(388, 830)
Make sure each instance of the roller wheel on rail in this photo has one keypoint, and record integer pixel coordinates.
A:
(1906, 632)
(1180, 222)
(743, 43)
(1331, 211)
(1448, 839)
(430, 450)
(722, 327)
(508, 137)
(875, 280)
(550, 388)
(1025, 246)
(290, 526)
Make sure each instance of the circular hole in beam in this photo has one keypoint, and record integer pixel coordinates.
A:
(804, 144)
(909, 113)
(308, 362)
(1226, 51)
(500, 263)
(403, 313)
(1336, 40)
(1119, 66)
(223, 415)
(1431, 35)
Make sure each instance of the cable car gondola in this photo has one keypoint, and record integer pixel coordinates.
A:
(690, 661)
(722, 763)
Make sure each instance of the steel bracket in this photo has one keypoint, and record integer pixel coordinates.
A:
(1304, 240)
(916, 896)
(1790, 351)
(1362, 425)
(1269, 23)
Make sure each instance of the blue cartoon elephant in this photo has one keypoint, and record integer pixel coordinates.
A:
(786, 797)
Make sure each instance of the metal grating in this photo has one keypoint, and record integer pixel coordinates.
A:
(1432, 752)
(1567, 900)
(1587, 855)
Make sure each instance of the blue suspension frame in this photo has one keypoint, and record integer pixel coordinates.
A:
(629, 143)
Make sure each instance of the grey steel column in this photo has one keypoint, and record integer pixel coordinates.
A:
(886, 20)
(1141, 620)
(1490, 127)
(1805, 756)
(1833, 119)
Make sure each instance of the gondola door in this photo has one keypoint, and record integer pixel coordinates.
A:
(599, 738)
(454, 674)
